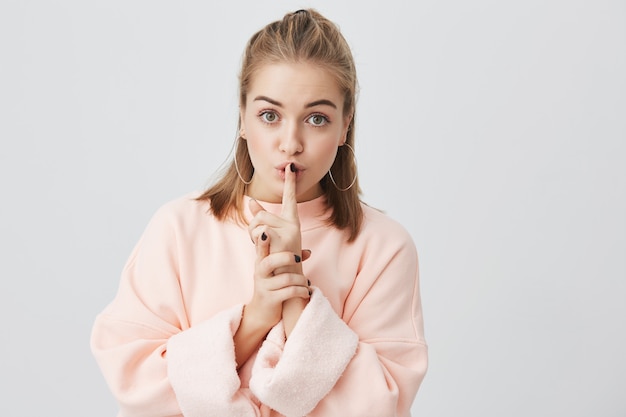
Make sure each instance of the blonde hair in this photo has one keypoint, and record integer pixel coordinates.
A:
(302, 36)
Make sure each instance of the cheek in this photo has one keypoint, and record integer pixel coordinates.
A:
(328, 153)
(261, 151)
(255, 143)
(255, 150)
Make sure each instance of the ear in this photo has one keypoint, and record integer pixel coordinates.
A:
(242, 125)
(344, 133)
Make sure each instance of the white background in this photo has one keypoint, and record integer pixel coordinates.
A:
(495, 131)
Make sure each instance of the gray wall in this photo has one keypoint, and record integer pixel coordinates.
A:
(494, 131)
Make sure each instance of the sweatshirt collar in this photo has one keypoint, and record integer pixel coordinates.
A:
(312, 213)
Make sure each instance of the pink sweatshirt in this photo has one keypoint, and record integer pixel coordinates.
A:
(165, 343)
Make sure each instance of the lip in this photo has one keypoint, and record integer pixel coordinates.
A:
(285, 165)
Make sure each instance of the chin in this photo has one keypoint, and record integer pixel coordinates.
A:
(311, 193)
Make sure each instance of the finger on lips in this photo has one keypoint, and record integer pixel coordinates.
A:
(290, 204)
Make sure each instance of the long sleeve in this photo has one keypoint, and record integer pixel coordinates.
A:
(154, 361)
(370, 361)
(202, 369)
(384, 309)
(293, 377)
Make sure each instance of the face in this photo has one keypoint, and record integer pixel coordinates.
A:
(293, 114)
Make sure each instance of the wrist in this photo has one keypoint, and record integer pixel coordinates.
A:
(255, 324)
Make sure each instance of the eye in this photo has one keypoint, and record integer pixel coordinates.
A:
(318, 120)
(269, 117)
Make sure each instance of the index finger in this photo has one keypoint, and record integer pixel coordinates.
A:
(290, 204)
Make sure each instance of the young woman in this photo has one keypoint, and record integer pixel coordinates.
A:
(220, 310)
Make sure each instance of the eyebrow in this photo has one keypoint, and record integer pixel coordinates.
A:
(322, 102)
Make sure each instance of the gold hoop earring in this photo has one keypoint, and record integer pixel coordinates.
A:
(237, 165)
(355, 171)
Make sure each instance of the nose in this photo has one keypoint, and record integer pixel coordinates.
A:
(291, 140)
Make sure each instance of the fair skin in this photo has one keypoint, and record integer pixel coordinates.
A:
(293, 122)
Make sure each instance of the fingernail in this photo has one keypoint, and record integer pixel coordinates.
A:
(263, 236)
(308, 282)
(292, 167)
(298, 259)
(307, 250)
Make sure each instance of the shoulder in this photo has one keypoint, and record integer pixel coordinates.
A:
(183, 205)
(181, 212)
(176, 222)
(383, 236)
(378, 223)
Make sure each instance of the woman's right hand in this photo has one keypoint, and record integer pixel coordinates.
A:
(272, 288)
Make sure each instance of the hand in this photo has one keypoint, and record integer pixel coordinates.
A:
(270, 292)
(272, 288)
(277, 277)
(284, 233)
(283, 230)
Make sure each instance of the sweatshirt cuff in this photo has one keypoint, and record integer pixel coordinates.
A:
(292, 376)
(202, 368)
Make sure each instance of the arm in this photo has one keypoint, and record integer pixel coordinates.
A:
(248, 337)
(372, 365)
(392, 355)
(153, 361)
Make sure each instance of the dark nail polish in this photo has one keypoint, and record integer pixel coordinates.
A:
(263, 236)
(298, 259)
(308, 282)
(292, 167)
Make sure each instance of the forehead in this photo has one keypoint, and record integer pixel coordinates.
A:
(295, 83)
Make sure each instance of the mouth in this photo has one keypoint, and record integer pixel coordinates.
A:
(282, 167)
